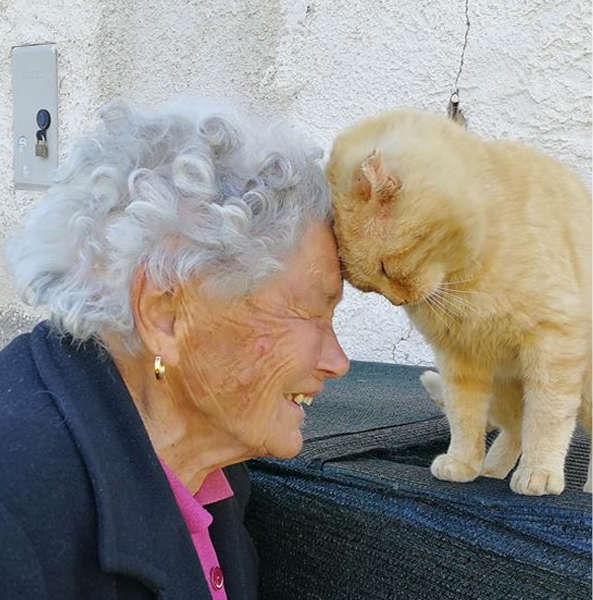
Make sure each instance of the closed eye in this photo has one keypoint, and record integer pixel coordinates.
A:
(383, 271)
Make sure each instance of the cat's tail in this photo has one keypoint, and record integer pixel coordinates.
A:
(433, 384)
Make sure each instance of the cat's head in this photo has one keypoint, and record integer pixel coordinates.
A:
(402, 218)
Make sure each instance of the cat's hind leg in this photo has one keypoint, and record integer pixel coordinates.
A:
(505, 415)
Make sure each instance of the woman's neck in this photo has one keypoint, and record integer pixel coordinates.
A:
(180, 434)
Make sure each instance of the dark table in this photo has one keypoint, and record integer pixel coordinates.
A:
(357, 515)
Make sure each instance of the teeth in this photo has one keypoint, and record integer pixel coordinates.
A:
(301, 399)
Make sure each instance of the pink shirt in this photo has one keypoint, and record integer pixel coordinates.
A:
(214, 488)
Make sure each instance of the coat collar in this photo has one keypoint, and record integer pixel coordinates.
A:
(140, 530)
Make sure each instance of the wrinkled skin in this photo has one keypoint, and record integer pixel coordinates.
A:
(231, 365)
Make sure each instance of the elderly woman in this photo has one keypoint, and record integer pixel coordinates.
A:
(190, 275)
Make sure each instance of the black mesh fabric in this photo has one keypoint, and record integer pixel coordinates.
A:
(357, 515)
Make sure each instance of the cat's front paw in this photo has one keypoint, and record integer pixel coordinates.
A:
(449, 468)
(532, 481)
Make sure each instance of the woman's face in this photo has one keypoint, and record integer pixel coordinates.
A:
(246, 363)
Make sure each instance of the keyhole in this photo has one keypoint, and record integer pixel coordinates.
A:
(43, 119)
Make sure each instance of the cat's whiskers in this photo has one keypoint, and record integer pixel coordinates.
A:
(456, 281)
(448, 286)
(475, 292)
(457, 291)
(454, 302)
(450, 293)
(448, 307)
(448, 302)
(436, 309)
(438, 301)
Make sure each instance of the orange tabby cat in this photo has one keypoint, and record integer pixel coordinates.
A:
(487, 245)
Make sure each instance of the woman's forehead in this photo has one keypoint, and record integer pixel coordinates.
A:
(312, 279)
(315, 267)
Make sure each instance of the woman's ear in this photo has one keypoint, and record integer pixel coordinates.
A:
(155, 311)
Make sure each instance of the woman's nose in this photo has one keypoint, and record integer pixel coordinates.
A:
(333, 362)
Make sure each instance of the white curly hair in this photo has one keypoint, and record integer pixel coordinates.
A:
(196, 187)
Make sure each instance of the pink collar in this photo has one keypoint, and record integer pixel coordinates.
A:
(215, 487)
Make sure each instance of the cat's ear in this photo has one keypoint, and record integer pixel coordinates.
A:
(373, 182)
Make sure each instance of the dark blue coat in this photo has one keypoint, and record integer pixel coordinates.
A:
(85, 509)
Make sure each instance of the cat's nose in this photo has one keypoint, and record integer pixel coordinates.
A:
(397, 293)
(395, 296)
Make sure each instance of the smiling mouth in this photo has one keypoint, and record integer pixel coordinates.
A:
(299, 399)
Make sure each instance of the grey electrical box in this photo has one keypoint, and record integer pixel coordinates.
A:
(35, 115)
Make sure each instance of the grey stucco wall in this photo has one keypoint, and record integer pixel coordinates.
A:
(527, 75)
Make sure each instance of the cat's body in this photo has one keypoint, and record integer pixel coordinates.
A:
(487, 245)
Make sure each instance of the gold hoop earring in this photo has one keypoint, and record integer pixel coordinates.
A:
(159, 368)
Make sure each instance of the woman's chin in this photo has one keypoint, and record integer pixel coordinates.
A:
(287, 447)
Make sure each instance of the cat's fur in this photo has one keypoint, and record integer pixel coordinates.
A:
(487, 245)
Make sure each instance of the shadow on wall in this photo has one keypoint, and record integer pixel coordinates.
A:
(14, 321)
